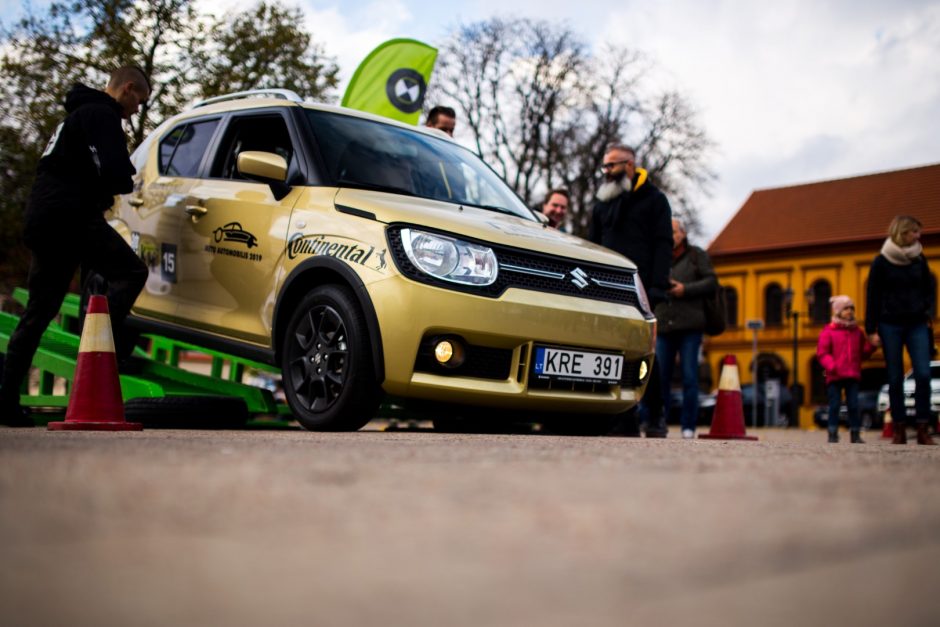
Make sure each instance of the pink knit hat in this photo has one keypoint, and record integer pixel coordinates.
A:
(840, 302)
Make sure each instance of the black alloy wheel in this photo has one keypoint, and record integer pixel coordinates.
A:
(327, 363)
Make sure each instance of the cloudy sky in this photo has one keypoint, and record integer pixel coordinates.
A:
(800, 91)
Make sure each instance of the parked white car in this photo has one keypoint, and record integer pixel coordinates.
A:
(883, 402)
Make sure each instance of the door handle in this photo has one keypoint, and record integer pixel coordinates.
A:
(196, 211)
(135, 201)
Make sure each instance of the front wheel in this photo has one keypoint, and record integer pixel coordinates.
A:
(326, 363)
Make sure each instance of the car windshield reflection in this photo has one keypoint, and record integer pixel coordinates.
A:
(367, 154)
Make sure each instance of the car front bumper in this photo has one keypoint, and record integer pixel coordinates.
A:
(410, 312)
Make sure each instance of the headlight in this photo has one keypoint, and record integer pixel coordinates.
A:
(641, 294)
(450, 259)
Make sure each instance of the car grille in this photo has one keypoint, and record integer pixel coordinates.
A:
(534, 271)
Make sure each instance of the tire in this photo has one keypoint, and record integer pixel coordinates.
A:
(326, 363)
(188, 412)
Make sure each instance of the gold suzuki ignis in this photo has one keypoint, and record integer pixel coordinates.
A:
(368, 258)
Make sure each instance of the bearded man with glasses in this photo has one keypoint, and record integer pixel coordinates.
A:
(632, 216)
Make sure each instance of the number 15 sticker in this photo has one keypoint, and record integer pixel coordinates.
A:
(168, 262)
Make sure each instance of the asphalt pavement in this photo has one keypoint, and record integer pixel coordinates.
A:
(406, 528)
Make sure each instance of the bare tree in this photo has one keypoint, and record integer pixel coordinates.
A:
(515, 84)
(541, 109)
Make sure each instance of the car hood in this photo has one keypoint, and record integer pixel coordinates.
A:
(479, 224)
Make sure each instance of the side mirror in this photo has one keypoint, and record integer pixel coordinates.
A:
(264, 166)
(541, 217)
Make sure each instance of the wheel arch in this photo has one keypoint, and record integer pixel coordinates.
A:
(323, 271)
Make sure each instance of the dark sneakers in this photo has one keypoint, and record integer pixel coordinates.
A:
(656, 428)
(15, 415)
(857, 438)
(833, 437)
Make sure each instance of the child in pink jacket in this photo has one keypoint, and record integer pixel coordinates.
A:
(841, 349)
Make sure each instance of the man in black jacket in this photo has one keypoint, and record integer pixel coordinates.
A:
(633, 218)
(83, 167)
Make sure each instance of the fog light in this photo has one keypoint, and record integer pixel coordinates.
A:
(644, 370)
(444, 352)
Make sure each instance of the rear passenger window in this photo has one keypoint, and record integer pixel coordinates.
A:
(181, 151)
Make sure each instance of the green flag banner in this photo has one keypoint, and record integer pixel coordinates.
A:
(392, 80)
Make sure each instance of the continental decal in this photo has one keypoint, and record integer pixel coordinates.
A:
(347, 250)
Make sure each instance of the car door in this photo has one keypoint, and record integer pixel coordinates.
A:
(234, 237)
(154, 212)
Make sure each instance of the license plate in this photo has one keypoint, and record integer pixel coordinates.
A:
(572, 365)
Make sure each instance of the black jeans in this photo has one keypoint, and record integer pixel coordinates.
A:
(95, 247)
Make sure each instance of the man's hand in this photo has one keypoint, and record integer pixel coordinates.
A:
(875, 340)
(676, 289)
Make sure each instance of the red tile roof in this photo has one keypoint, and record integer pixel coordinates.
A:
(828, 212)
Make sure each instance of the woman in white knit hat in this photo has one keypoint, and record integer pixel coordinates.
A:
(899, 301)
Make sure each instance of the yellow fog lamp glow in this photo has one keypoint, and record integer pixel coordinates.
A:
(644, 370)
(444, 351)
(448, 352)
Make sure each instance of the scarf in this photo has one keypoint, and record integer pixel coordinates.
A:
(839, 322)
(901, 256)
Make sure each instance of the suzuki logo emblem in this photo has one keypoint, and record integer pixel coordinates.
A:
(580, 278)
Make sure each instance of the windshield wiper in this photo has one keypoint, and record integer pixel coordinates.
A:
(375, 187)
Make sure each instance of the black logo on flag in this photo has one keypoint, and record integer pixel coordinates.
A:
(405, 90)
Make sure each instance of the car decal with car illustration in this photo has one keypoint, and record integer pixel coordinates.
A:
(233, 232)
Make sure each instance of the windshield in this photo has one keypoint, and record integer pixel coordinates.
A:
(371, 155)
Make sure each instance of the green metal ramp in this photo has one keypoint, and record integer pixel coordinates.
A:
(58, 352)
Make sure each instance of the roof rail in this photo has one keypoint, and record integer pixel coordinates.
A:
(283, 94)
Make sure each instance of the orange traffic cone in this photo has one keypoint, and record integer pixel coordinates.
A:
(95, 402)
(728, 418)
(887, 431)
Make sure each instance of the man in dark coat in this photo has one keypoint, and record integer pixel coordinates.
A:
(83, 167)
(633, 218)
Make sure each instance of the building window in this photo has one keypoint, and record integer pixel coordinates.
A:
(820, 293)
(773, 305)
(731, 304)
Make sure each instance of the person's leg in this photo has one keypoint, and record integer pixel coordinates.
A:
(917, 340)
(690, 343)
(893, 349)
(666, 346)
(851, 403)
(653, 399)
(834, 394)
(109, 256)
(50, 273)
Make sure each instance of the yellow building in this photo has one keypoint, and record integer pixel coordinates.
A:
(789, 249)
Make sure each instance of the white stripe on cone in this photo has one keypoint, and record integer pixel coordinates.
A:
(729, 381)
(96, 334)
